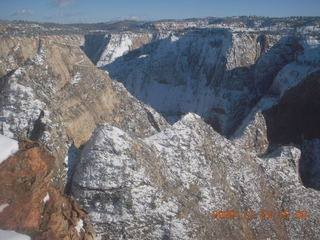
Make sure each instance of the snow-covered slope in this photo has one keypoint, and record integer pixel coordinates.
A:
(12, 235)
(103, 49)
(52, 93)
(217, 73)
(253, 84)
(7, 147)
(166, 185)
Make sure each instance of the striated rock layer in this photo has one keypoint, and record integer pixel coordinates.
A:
(52, 93)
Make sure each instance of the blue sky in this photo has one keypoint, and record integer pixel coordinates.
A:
(68, 11)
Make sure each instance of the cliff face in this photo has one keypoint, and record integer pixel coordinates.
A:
(29, 202)
(103, 49)
(219, 74)
(52, 93)
(257, 88)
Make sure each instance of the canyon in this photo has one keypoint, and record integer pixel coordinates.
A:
(153, 126)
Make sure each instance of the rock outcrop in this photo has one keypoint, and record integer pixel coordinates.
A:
(52, 93)
(257, 87)
(104, 49)
(166, 185)
(252, 134)
(220, 74)
(30, 204)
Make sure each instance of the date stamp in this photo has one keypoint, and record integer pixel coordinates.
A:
(262, 214)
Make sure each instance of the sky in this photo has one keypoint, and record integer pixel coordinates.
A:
(90, 11)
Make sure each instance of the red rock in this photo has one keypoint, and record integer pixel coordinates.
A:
(25, 181)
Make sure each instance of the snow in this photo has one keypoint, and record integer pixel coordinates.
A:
(39, 59)
(3, 206)
(294, 73)
(12, 235)
(189, 154)
(119, 138)
(75, 79)
(143, 55)
(8, 147)
(183, 86)
(107, 150)
(79, 226)
(46, 198)
(174, 38)
(17, 47)
(117, 47)
(21, 107)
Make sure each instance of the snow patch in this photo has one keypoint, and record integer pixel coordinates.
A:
(39, 59)
(12, 235)
(3, 206)
(79, 226)
(76, 79)
(21, 106)
(117, 47)
(46, 198)
(174, 38)
(8, 147)
(17, 47)
(144, 56)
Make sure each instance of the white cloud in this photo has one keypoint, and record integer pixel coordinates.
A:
(23, 12)
(134, 18)
(70, 17)
(62, 3)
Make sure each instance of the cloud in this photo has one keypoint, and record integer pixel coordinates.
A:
(60, 16)
(134, 18)
(62, 3)
(23, 12)
(71, 17)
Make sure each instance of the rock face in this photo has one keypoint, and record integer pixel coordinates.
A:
(52, 93)
(288, 124)
(217, 73)
(31, 205)
(252, 135)
(166, 185)
(103, 49)
(228, 72)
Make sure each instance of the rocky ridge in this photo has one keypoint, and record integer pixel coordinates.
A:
(52, 93)
(240, 80)
(226, 73)
(166, 185)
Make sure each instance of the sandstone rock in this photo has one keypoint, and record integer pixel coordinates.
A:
(53, 94)
(219, 74)
(31, 205)
(252, 134)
